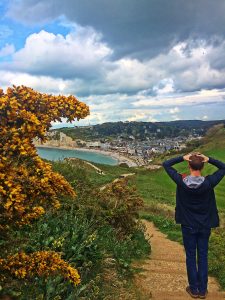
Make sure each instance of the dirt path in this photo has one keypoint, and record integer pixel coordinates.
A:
(164, 274)
(115, 180)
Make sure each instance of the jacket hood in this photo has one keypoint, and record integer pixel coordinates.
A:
(193, 182)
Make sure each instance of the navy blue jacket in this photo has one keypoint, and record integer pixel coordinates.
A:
(196, 207)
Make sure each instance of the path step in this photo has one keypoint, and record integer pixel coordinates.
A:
(168, 257)
(168, 281)
(184, 296)
(164, 265)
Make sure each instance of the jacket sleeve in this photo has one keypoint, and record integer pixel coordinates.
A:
(217, 176)
(171, 171)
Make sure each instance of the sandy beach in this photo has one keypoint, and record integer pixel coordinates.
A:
(117, 156)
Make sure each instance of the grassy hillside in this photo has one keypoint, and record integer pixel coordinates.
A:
(89, 173)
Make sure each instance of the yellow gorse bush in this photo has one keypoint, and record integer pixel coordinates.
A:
(42, 263)
(28, 186)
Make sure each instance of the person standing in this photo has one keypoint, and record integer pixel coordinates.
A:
(197, 212)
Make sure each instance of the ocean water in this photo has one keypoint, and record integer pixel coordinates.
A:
(60, 154)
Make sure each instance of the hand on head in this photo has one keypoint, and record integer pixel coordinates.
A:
(205, 158)
(188, 156)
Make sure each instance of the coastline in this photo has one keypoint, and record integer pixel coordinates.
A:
(115, 155)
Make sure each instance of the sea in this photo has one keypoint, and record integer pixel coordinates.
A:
(59, 154)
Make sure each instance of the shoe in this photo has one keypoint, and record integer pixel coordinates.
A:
(203, 296)
(193, 295)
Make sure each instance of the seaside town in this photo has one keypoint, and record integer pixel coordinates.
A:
(130, 151)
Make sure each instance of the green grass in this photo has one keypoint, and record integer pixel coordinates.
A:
(166, 225)
(91, 176)
(111, 173)
(154, 186)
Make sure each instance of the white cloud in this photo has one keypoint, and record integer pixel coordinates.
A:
(142, 116)
(41, 83)
(129, 74)
(78, 54)
(174, 110)
(164, 87)
(80, 63)
(185, 99)
(83, 56)
(137, 28)
(175, 118)
(8, 49)
(185, 67)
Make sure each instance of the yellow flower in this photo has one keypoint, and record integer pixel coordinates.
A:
(42, 263)
(27, 184)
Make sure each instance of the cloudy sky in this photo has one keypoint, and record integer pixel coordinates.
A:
(137, 60)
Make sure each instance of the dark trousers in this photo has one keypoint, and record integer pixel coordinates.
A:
(196, 239)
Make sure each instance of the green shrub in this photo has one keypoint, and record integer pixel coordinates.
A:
(96, 228)
(120, 205)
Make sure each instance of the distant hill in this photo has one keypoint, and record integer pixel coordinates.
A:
(213, 142)
(139, 130)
